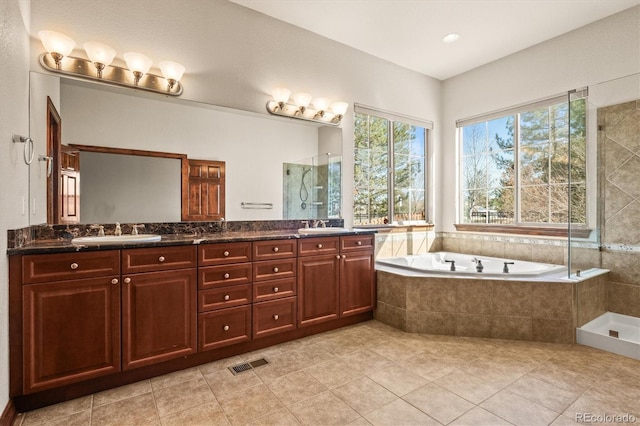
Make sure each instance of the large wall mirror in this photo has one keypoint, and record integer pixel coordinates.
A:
(253, 146)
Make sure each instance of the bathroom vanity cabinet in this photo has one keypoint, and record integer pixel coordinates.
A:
(88, 320)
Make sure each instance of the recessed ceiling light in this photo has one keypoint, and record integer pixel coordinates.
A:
(450, 38)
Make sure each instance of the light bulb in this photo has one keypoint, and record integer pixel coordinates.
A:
(58, 45)
(281, 96)
(172, 72)
(100, 54)
(320, 105)
(138, 64)
(302, 101)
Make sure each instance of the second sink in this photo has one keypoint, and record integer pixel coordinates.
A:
(116, 239)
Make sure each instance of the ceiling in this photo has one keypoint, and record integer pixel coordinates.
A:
(409, 32)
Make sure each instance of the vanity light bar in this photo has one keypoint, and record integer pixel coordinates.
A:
(321, 110)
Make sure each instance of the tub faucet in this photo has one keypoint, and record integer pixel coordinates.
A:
(506, 267)
(453, 264)
(479, 265)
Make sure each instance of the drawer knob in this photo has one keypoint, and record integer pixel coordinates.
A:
(275, 317)
(74, 266)
(344, 256)
(276, 289)
(275, 269)
(319, 246)
(225, 254)
(127, 280)
(276, 249)
(337, 256)
(114, 281)
(161, 259)
(226, 275)
(358, 243)
(225, 328)
(227, 297)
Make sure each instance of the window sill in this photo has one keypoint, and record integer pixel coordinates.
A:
(398, 228)
(547, 231)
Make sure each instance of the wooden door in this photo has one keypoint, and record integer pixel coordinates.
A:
(318, 289)
(357, 283)
(158, 316)
(71, 331)
(203, 190)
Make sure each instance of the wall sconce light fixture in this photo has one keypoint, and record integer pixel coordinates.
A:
(298, 106)
(99, 65)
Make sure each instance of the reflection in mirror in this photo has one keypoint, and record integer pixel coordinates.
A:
(312, 188)
(254, 146)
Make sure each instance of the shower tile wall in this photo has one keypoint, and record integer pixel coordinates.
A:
(619, 139)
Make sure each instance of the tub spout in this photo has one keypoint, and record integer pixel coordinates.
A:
(453, 264)
(506, 267)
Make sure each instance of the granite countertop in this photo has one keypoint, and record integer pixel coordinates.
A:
(64, 245)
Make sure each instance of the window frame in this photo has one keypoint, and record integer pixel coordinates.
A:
(528, 228)
(428, 166)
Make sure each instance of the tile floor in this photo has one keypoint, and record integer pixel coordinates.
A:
(371, 373)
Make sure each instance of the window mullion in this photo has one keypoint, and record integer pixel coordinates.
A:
(390, 172)
(516, 157)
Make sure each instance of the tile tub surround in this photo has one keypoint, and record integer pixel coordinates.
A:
(500, 309)
(371, 373)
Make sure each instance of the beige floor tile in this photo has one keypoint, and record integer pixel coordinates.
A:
(543, 393)
(246, 406)
(438, 403)
(565, 421)
(396, 350)
(277, 418)
(399, 412)
(518, 410)
(333, 373)
(82, 418)
(175, 377)
(314, 354)
(222, 364)
(323, 409)
(360, 421)
(295, 387)
(493, 372)
(224, 382)
(366, 361)
(469, 387)
(364, 395)
(561, 378)
(281, 364)
(183, 395)
(138, 410)
(428, 366)
(398, 379)
(479, 417)
(261, 353)
(61, 410)
(122, 392)
(202, 415)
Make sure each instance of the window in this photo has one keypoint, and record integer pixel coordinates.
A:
(389, 168)
(515, 166)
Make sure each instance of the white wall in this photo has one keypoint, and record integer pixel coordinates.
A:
(235, 56)
(602, 51)
(14, 174)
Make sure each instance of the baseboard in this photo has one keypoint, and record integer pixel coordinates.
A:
(9, 414)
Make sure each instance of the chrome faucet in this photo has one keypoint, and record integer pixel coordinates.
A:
(479, 265)
(321, 223)
(506, 267)
(305, 223)
(118, 230)
(134, 229)
(100, 229)
(453, 264)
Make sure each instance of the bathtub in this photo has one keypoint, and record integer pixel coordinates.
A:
(599, 333)
(435, 264)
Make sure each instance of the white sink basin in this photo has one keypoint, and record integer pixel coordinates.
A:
(116, 239)
(321, 230)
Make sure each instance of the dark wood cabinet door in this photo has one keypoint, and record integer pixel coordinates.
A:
(71, 331)
(158, 317)
(357, 283)
(203, 190)
(318, 289)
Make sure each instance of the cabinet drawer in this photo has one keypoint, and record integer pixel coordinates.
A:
(224, 275)
(274, 249)
(273, 269)
(158, 259)
(274, 289)
(315, 246)
(273, 317)
(40, 268)
(224, 327)
(223, 253)
(356, 242)
(224, 297)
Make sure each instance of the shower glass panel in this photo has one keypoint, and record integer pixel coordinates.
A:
(313, 188)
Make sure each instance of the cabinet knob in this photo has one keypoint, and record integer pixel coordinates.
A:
(276, 289)
(225, 328)
(358, 243)
(114, 281)
(275, 269)
(344, 256)
(275, 317)
(74, 266)
(227, 297)
(319, 246)
(276, 249)
(225, 254)
(226, 275)
(337, 256)
(127, 280)
(161, 259)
